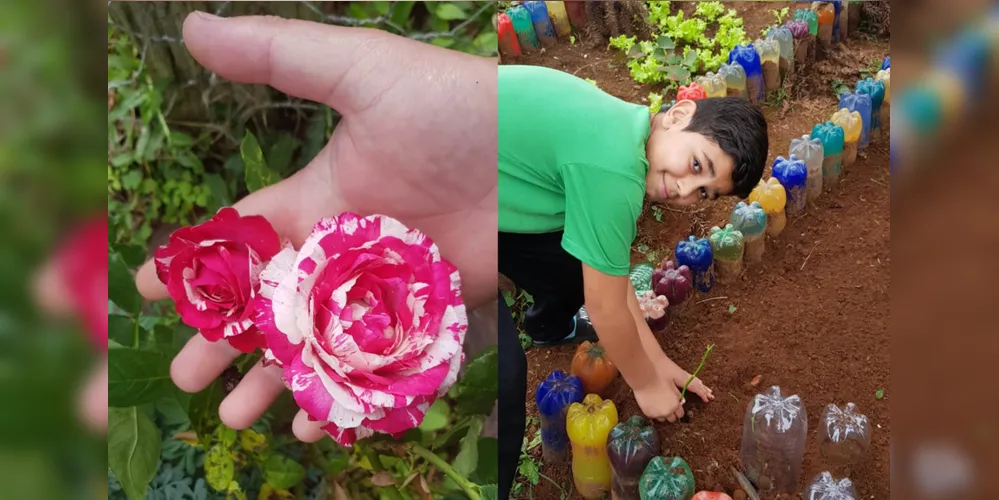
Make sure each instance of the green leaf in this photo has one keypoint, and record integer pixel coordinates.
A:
(488, 469)
(226, 435)
(131, 180)
(400, 15)
(219, 191)
(219, 468)
(133, 450)
(280, 154)
(436, 417)
(486, 42)
(136, 377)
(489, 492)
(635, 52)
(121, 329)
(449, 11)
(476, 392)
(282, 472)
(468, 456)
(666, 43)
(121, 285)
(204, 412)
(529, 469)
(879, 394)
(258, 176)
(732, 308)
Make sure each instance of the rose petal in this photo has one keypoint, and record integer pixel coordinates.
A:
(402, 419)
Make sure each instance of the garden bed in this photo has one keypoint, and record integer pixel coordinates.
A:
(812, 317)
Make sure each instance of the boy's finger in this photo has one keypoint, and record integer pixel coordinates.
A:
(200, 363)
(250, 399)
(306, 430)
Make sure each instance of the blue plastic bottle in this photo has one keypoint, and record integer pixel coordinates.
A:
(887, 63)
(860, 103)
(697, 254)
(749, 59)
(553, 397)
(792, 173)
(875, 89)
(542, 23)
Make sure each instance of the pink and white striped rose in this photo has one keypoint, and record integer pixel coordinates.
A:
(212, 272)
(367, 322)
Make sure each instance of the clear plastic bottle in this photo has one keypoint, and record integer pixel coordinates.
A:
(751, 221)
(793, 175)
(667, 479)
(655, 310)
(825, 487)
(875, 89)
(728, 246)
(832, 138)
(631, 446)
(774, 435)
(785, 41)
(553, 397)
(846, 435)
(852, 124)
(772, 196)
(747, 57)
(560, 19)
(508, 44)
(735, 80)
(884, 76)
(860, 103)
(542, 23)
(769, 62)
(810, 151)
(713, 84)
(524, 28)
(589, 424)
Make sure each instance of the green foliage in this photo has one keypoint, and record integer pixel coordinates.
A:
(655, 102)
(133, 449)
(779, 15)
(710, 10)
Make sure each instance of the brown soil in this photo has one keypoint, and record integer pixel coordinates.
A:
(812, 317)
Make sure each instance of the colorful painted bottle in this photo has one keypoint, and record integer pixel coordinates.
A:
(836, 28)
(809, 150)
(594, 368)
(852, 124)
(843, 20)
(641, 276)
(692, 92)
(832, 139)
(769, 62)
(553, 397)
(667, 479)
(887, 63)
(676, 283)
(589, 424)
(524, 28)
(826, 17)
(542, 23)
(826, 487)
(728, 246)
(747, 57)
(655, 310)
(560, 18)
(696, 254)
(793, 175)
(713, 84)
(876, 90)
(884, 76)
(774, 435)
(631, 446)
(576, 9)
(508, 44)
(860, 103)
(772, 196)
(751, 220)
(785, 41)
(802, 40)
(735, 80)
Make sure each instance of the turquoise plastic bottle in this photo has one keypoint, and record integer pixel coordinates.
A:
(875, 89)
(524, 28)
(832, 138)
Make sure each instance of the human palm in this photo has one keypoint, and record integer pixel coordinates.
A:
(417, 142)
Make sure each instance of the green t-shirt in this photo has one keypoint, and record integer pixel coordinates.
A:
(571, 157)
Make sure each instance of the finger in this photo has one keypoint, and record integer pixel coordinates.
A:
(306, 430)
(310, 60)
(698, 387)
(679, 410)
(250, 399)
(200, 363)
(94, 399)
(50, 291)
(671, 418)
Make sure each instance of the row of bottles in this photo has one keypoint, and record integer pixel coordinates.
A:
(532, 25)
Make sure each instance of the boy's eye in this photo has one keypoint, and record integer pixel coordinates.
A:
(697, 166)
(704, 194)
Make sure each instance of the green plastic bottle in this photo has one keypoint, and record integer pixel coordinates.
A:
(664, 480)
(728, 245)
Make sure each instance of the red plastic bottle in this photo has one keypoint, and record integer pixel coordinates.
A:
(508, 44)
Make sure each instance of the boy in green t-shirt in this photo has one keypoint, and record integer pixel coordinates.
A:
(575, 165)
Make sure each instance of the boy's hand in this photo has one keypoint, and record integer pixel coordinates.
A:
(660, 400)
(680, 378)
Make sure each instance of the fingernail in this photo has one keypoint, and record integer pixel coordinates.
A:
(206, 16)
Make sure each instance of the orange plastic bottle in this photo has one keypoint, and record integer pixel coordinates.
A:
(827, 15)
(588, 425)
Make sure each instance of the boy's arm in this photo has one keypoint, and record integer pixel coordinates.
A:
(649, 342)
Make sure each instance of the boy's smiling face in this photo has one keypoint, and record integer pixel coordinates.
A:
(684, 167)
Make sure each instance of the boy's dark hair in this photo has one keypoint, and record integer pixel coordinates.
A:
(740, 129)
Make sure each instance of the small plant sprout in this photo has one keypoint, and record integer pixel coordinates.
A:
(704, 359)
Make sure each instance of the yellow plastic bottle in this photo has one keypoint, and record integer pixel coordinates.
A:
(852, 125)
(588, 425)
(560, 18)
(713, 84)
(770, 194)
(884, 76)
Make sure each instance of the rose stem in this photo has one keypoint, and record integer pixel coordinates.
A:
(694, 375)
(470, 489)
(376, 463)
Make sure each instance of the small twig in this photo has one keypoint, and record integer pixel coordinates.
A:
(584, 67)
(712, 298)
(470, 489)
(808, 256)
(878, 183)
(704, 358)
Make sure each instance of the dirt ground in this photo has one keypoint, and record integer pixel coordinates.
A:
(812, 318)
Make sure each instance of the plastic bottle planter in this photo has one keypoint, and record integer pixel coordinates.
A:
(799, 30)
(835, 24)
(825, 487)
(713, 84)
(842, 22)
(692, 92)
(876, 90)
(666, 479)
(553, 396)
(641, 277)
(589, 423)
(747, 57)
(852, 124)
(846, 435)
(773, 442)
(696, 254)
(577, 14)
(524, 28)
(860, 103)
(728, 246)
(772, 196)
(810, 151)
(887, 63)
(810, 17)
(630, 447)
(542, 23)
(710, 495)
(793, 175)
(785, 41)
(770, 63)
(508, 44)
(655, 310)
(560, 19)
(594, 368)
(853, 11)
(826, 17)
(751, 221)
(676, 283)
(884, 76)
(832, 139)
(735, 80)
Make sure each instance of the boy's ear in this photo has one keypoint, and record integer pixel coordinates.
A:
(679, 115)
